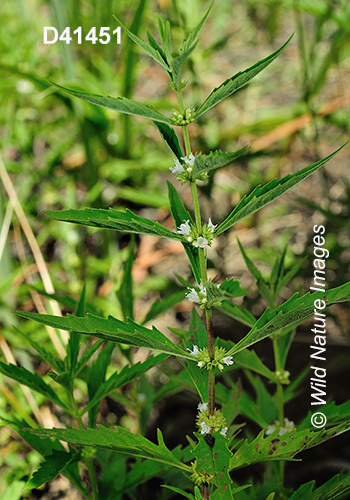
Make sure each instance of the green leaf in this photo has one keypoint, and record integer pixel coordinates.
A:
(180, 214)
(165, 37)
(13, 491)
(122, 378)
(193, 36)
(125, 292)
(336, 488)
(96, 377)
(166, 303)
(262, 195)
(249, 359)
(111, 329)
(53, 465)
(87, 355)
(44, 354)
(121, 104)
(214, 459)
(232, 288)
(236, 82)
(120, 440)
(283, 447)
(179, 491)
(32, 380)
(153, 43)
(293, 312)
(170, 138)
(127, 222)
(150, 50)
(74, 338)
(237, 312)
(216, 159)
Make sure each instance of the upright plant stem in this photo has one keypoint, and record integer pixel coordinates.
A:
(89, 461)
(279, 395)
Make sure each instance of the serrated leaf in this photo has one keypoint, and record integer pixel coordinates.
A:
(249, 359)
(111, 329)
(293, 312)
(122, 378)
(120, 104)
(232, 288)
(127, 222)
(153, 43)
(87, 355)
(283, 447)
(150, 50)
(262, 195)
(237, 312)
(237, 81)
(334, 414)
(53, 465)
(336, 488)
(214, 459)
(120, 440)
(216, 159)
(170, 138)
(180, 214)
(32, 380)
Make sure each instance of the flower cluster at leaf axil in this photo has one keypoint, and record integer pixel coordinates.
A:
(199, 239)
(204, 361)
(183, 119)
(206, 296)
(287, 427)
(183, 169)
(213, 423)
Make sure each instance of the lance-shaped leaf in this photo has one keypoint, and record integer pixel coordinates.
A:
(170, 138)
(165, 37)
(53, 465)
(232, 288)
(186, 49)
(121, 104)
(32, 380)
(237, 312)
(262, 195)
(122, 378)
(285, 447)
(111, 329)
(216, 159)
(334, 489)
(120, 440)
(127, 222)
(291, 313)
(237, 81)
(151, 50)
(180, 215)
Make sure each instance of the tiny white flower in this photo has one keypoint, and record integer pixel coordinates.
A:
(201, 242)
(193, 296)
(223, 431)
(189, 239)
(228, 360)
(211, 226)
(202, 407)
(177, 168)
(200, 364)
(205, 428)
(184, 228)
(202, 288)
(270, 429)
(189, 160)
(195, 350)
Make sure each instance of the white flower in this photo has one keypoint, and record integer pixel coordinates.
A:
(201, 242)
(193, 296)
(228, 360)
(202, 288)
(205, 428)
(211, 226)
(224, 431)
(202, 407)
(184, 228)
(195, 350)
(177, 168)
(189, 160)
(288, 426)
